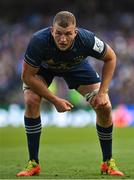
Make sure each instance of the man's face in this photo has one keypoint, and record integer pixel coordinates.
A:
(63, 37)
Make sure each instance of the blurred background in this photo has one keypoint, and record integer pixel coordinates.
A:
(111, 20)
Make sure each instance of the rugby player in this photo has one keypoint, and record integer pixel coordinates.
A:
(61, 50)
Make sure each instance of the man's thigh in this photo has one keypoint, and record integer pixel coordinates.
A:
(85, 89)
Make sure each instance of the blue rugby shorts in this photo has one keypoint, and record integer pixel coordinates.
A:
(80, 74)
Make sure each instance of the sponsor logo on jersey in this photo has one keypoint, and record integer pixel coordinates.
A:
(98, 45)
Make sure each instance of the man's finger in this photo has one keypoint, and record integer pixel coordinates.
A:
(69, 104)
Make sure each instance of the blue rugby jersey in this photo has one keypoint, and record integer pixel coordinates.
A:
(42, 50)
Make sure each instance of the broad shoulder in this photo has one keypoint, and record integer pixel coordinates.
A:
(85, 34)
(86, 37)
(42, 33)
(42, 36)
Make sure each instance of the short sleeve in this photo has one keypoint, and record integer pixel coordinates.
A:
(99, 48)
(94, 46)
(34, 52)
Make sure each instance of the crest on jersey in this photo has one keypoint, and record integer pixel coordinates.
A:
(98, 45)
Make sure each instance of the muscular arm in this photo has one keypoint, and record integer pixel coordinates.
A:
(29, 77)
(108, 69)
(101, 98)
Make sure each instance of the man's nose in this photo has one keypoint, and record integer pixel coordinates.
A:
(63, 38)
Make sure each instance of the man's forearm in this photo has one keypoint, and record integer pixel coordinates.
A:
(107, 74)
(38, 86)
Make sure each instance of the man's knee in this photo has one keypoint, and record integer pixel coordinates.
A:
(108, 107)
(32, 101)
(105, 108)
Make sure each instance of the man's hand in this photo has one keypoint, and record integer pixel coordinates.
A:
(100, 100)
(62, 105)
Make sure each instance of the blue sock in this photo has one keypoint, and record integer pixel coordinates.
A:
(33, 132)
(105, 138)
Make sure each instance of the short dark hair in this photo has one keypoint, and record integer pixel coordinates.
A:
(64, 19)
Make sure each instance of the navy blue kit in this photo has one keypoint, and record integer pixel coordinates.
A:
(70, 64)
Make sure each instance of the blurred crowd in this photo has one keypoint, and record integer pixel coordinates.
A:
(117, 31)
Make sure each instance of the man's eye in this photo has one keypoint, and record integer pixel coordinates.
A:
(58, 33)
(68, 34)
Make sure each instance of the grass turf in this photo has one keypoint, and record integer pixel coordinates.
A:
(65, 153)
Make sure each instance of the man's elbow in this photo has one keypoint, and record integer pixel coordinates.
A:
(110, 55)
(113, 56)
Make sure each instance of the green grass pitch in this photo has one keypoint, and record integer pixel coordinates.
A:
(65, 153)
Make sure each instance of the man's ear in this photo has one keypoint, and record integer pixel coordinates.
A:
(51, 29)
(76, 31)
